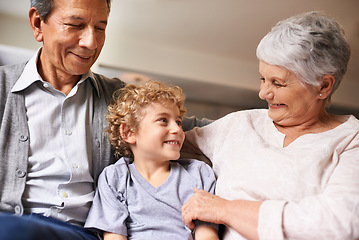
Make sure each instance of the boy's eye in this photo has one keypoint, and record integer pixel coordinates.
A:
(163, 120)
(179, 123)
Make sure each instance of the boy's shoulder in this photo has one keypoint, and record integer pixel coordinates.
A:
(118, 169)
(198, 173)
(186, 162)
(194, 166)
(120, 163)
(115, 175)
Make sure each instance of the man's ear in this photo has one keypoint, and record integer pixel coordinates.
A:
(326, 87)
(127, 133)
(36, 24)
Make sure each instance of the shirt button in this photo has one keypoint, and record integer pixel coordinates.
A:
(65, 195)
(75, 166)
(23, 138)
(46, 85)
(17, 209)
(20, 173)
(68, 132)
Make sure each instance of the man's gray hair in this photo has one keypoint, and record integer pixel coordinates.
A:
(45, 7)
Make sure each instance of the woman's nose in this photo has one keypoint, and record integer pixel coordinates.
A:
(265, 91)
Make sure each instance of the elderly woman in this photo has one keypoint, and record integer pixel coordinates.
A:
(291, 171)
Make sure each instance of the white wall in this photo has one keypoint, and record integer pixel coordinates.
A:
(16, 32)
(219, 76)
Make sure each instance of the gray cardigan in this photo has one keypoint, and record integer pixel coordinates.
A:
(14, 135)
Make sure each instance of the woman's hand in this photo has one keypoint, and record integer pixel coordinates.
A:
(203, 206)
(241, 215)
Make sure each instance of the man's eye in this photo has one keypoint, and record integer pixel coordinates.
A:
(74, 25)
(100, 28)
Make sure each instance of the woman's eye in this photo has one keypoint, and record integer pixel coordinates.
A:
(277, 84)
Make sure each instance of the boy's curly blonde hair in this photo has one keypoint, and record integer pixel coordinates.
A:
(128, 105)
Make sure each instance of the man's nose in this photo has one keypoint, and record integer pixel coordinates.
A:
(88, 38)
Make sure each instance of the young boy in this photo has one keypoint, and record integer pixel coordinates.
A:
(141, 195)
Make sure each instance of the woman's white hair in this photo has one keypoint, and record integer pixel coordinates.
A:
(310, 45)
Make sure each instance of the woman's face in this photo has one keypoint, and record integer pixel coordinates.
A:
(290, 101)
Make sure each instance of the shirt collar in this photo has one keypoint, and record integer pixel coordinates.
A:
(91, 76)
(30, 75)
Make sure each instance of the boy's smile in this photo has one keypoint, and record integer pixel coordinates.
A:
(160, 136)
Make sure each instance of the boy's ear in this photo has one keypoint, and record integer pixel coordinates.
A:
(36, 24)
(127, 134)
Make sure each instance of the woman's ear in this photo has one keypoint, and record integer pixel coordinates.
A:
(36, 24)
(127, 133)
(326, 87)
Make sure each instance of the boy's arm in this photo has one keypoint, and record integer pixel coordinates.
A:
(206, 232)
(113, 236)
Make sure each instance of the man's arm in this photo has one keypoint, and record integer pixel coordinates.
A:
(190, 122)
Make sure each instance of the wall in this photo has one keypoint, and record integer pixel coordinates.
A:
(219, 95)
(17, 44)
(16, 32)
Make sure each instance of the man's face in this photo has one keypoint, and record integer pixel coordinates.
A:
(73, 36)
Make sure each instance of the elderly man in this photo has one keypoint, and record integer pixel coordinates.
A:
(52, 109)
(52, 120)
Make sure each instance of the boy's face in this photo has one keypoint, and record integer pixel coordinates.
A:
(160, 135)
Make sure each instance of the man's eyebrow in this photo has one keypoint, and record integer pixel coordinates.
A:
(74, 17)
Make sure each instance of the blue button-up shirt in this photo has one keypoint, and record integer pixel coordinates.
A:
(59, 181)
